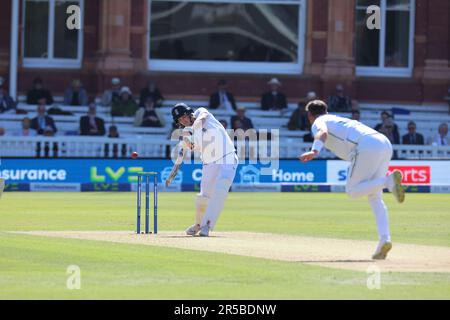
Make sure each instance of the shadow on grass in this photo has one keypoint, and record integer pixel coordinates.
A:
(334, 261)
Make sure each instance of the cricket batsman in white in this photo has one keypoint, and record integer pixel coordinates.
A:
(219, 160)
(369, 153)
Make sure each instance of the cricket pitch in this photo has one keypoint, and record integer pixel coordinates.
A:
(326, 252)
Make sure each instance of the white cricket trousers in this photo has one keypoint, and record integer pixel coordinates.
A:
(217, 179)
(367, 177)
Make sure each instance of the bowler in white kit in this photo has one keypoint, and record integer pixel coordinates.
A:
(369, 153)
(219, 160)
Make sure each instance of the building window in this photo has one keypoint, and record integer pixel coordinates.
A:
(47, 42)
(244, 36)
(388, 51)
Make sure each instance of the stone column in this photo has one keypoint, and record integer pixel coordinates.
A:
(114, 36)
(316, 37)
(339, 60)
(437, 64)
(5, 26)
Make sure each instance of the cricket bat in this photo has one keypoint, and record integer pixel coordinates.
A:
(176, 166)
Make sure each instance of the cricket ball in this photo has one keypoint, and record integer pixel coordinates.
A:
(134, 155)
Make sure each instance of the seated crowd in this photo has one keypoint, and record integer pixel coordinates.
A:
(145, 111)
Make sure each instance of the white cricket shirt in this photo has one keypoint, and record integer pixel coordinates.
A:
(343, 134)
(213, 142)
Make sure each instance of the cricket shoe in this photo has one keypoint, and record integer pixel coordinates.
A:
(382, 250)
(204, 232)
(394, 185)
(193, 230)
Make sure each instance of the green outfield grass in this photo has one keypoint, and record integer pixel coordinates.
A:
(35, 267)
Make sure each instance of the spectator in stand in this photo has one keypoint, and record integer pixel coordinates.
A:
(385, 117)
(76, 95)
(222, 99)
(151, 91)
(111, 95)
(7, 104)
(412, 137)
(299, 118)
(390, 130)
(224, 124)
(125, 106)
(113, 132)
(49, 132)
(240, 121)
(38, 92)
(26, 130)
(148, 116)
(308, 137)
(91, 125)
(339, 102)
(273, 99)
(43, 124)
(2, 131)
(356, 115)
(441, 138)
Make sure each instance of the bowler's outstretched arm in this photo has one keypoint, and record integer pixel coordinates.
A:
(319, 141)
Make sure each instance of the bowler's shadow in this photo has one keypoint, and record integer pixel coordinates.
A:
(187, 237)
(335, 261)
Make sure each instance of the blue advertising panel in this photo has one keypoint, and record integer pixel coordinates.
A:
(77, 175)
(118, 175)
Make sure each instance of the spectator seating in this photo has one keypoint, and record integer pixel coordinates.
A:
(427, 119)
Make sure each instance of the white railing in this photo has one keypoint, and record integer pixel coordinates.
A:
(408, 152)
(422, 152)
(66, 147)
(149, 147)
